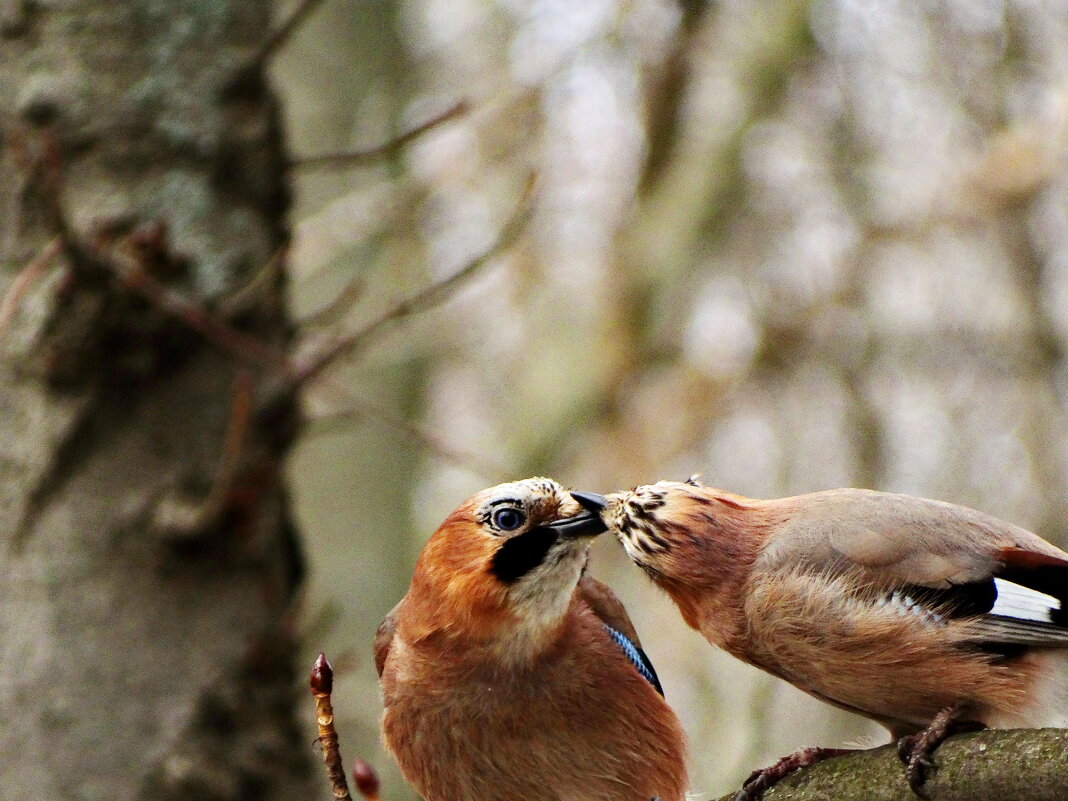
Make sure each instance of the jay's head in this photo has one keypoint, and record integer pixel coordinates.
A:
(509, 557)
(662, 526)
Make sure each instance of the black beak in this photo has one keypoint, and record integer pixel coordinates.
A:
(584, 524)
(591, 501)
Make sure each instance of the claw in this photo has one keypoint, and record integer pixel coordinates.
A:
(917, 749)
(761, 780)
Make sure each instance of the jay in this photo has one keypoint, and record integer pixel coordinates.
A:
(916, 613)
(508, 673)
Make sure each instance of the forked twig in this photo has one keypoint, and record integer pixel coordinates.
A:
(425, 299)
(353, 158)
(128, 263)
(136, 279)
(359, 408)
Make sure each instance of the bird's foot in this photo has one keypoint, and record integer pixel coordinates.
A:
(915, 750)
(760, 780)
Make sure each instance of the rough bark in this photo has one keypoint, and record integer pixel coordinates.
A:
(1023, 764)
(143, 642)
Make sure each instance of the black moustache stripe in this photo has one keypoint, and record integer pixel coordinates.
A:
(518, 555)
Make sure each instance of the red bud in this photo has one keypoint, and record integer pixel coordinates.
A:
(322, 677)
(365, 779)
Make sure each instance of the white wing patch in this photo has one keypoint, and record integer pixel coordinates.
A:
(906, 606)
(1023, 616)
(1020, 616)
(1023, 603)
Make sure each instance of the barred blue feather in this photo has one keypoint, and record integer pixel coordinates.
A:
(637, 657)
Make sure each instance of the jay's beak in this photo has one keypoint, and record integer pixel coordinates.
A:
(590, 501)
(584, 524)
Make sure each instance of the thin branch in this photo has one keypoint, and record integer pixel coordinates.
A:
(179, 517)
(126, 263)
(25, 279)
(428, 298)
(233, 442)
(244, 297)
(335, 309)
(354, 158)
(252, 350)
(322, 684)
(287, 29)
(131, 271)
(264, 356)
(487, 469)
(197, 317)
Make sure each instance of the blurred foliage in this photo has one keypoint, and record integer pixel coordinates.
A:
(790, 246)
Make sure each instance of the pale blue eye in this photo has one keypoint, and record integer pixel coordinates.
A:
(508, 519)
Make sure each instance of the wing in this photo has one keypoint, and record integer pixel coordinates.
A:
(934, 559)
(1022, 602)
(384, 638)
(617, 623)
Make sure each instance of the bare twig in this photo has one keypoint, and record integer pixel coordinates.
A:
(433, 444)
(234, 441)
(25, 279)
(287, 29)
(244, 297)
(322, 684)
(431, 296)
(182, 518)
(336, 308)
(128, 262)
(353, 158)
(264, 356)
(197, 317)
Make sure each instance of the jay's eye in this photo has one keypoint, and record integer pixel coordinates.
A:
(508, 519)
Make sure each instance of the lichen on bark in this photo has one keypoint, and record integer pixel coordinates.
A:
(136, 664)
(1019, 764)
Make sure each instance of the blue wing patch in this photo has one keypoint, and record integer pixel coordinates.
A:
(636, 656)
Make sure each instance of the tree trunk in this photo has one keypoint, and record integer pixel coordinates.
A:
(150, 562)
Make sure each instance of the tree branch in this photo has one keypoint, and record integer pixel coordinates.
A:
(1021, 764)
(424, 300)
(358, 408)
(353, 158)
(286, 30)
(25, 279)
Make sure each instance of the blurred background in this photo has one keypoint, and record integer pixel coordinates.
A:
(786, 245)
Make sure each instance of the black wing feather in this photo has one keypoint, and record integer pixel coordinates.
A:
(1004, 608)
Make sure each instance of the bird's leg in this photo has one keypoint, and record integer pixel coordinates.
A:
(760, 780)
(916, 749)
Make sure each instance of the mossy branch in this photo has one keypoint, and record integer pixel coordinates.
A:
(993, 765)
